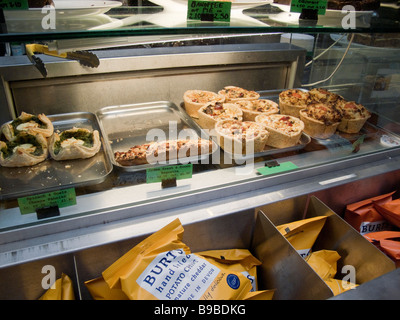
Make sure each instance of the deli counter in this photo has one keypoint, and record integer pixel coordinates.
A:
(140, 59)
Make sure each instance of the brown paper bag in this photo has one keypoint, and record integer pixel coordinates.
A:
(364, 217)
(388, 242)
(390, 211)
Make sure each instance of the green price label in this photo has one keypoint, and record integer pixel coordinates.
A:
(209, 10)
(179, 172)
(14, 4)
(319, 5)
(285, 166)
(61, 198)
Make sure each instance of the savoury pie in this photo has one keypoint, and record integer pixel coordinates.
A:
(25, 149)
(354, 116)
(28, 122)
(292, 101)
(233, 94)
(212, 112)
(257, 107)
(324, 96)
(241, 137)
(320, 120)
(75, 143)
(284, 131)
(151, 153)
(195, 99)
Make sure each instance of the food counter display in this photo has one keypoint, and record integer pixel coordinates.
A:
(233, 134)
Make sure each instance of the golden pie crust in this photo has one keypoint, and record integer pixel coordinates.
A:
(194, 99)
(284, 131)
(28, 122)
(212, 112)
(28, 149)
(241, 137)
(74, 147)
(233, 94)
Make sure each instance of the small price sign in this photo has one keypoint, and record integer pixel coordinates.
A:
(209, 10)
(282, 167)
(60, 199)
(299, 5)
(14, 4)
(177, 172)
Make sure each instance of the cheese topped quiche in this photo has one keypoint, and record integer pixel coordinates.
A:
(284, 131)
(212, 112)
(241, 137)
(354, 116)
(257, 107)
(324, 96)
(195, 99)
(320, 120)
(291, 101)
(232, 94)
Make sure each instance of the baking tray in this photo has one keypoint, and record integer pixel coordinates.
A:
(51, 175)
(134, 124)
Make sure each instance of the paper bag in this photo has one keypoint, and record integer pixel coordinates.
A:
(364, 217)
(390, 211)
(62, 290)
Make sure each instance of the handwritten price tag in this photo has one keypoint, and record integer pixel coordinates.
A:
(209, 10)
(14, 4)
(177, 172)
(319, 5)
(61, 198)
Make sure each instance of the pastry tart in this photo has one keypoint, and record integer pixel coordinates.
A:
(354, 116)
(195, 99)
(233, 94)
(35, 124)
(26, 149)
(320, 120)
(241, 137)
(212, 112)
(163, 151)
(324, 96)
(75, 143)
(284, 131)
(182, 149)
(257, 107)
(292, 101)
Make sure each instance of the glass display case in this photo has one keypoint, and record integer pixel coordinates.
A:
(122, 68)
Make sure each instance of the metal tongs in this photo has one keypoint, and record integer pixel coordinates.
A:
(85, 58)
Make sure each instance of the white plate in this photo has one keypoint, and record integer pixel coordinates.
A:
(64, 9)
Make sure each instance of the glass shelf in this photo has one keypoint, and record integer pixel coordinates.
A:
(168, 17)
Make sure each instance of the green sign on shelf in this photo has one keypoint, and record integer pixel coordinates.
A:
(14, 4)
(178, 172)
(284, 166)
(60, 198)
(209, 10)
(299, 5)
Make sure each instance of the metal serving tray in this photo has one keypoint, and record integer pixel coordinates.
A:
(128, 125)
(52, 175)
